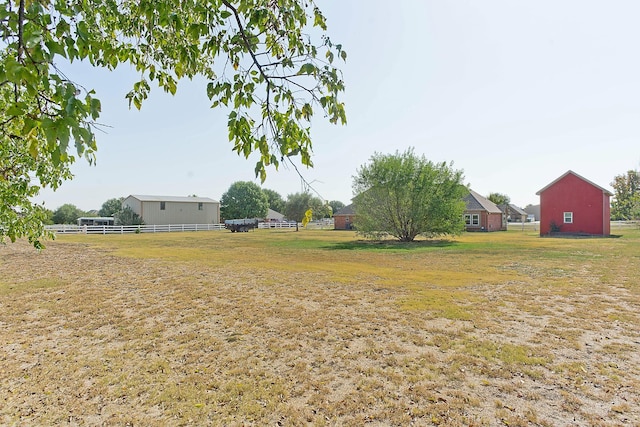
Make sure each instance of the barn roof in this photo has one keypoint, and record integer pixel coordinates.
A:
(604, 190)
(476, 202)
(147, 198)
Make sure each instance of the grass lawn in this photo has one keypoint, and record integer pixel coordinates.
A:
(318, 327)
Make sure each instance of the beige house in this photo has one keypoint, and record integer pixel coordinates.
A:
(163, 210)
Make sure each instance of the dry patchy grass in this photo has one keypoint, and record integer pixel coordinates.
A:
(320, 328)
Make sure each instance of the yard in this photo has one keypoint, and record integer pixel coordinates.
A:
(316, 327)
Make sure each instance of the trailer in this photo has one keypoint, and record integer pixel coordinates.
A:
(241, 225)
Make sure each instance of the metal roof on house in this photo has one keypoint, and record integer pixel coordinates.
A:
(180, 199)
(476, 202)
(347, 210)
(604, 190)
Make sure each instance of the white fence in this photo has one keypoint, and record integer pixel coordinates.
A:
(277, 225)
(123, 229)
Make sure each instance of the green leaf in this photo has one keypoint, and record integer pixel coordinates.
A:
(33, 149)
(329, 56)
(95, 108)
(55, 48)
(50, 131)
(307, 68)
(14, 110)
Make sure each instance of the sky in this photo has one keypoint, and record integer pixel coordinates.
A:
(514, 93)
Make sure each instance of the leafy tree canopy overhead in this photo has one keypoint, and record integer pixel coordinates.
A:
(626, 202)
(244, 199)
(404, 195)
(269, 64)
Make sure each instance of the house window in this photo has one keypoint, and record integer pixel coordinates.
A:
(162, 206)
(200, 206)
(568, 217)
(472, 219)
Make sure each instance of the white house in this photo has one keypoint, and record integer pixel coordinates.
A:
(161, 210)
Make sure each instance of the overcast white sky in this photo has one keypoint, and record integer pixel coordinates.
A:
(515, 93)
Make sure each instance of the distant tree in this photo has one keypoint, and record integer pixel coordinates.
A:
(321, 209)
(499, 199)
(299, 203)
(244, 199)
(111, 207)
(336, 205)
(404, 196)
(67, 214)
(626, 203)
(127, 216)
(276, 202)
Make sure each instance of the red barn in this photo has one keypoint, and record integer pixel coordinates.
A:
(574, 205)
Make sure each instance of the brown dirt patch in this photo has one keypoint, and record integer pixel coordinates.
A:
(90, 338)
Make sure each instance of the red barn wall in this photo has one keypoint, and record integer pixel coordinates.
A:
(589, 204)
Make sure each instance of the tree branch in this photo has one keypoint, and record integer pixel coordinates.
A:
(20, 29)
(245, 39)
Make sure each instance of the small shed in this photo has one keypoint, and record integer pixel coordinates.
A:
(481, 214)
(572, 204)
(343, 219)
(96, 220)
(163, 210)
